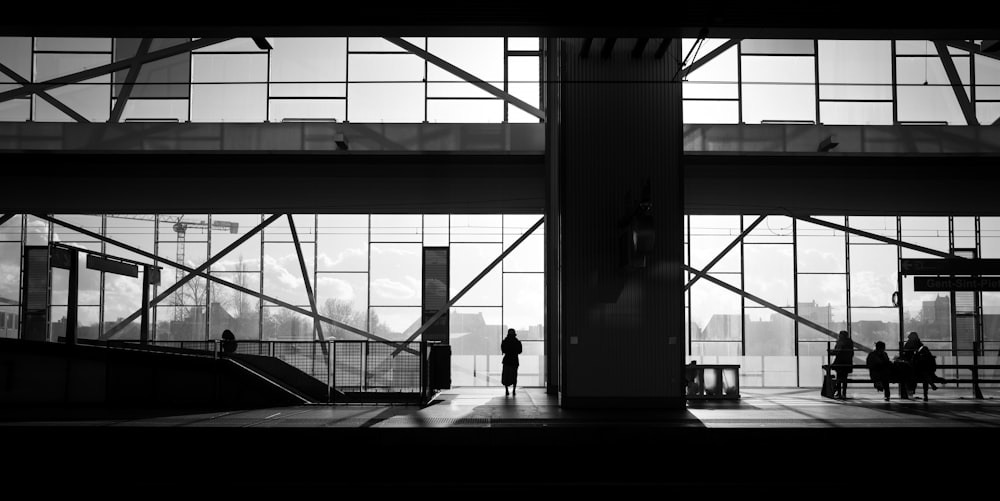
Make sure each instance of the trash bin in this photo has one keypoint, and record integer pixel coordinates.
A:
(439, 366)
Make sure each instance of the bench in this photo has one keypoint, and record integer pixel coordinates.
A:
(975, 380)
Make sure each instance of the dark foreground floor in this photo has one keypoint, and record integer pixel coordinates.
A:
(787, 444)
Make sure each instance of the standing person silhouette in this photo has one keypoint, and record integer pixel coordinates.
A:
(511, 348)
(843, 361)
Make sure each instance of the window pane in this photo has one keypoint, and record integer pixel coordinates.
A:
(308, 59)
(720, 69)
(928, 313)
(715, 311)
(9, 322)
(395, 324)
(343, 242)
(929, 104)
(396, 227)
(163, 78)
(820, 249)
(396, 271)
(769, 332)
(929, 232)
(777, 46)
(283, 274)
(10, 272)
(475, 331)
(465, 111)
(773, 229)
(530, 253)
(180, 323)
(524, 304)
(869, 325)
(15, 53)
(73, 44)
(228, 103)
(840, 113)
(768, 273)
(778, 103)
(467, 262)
(284, 324)
(855, 62)
(436, 228)
(138, 110)
(226, 229)
(476, 228)
(344, 298)
(385, 102)
(15, 110)
(710, 235)
(523, 43)
(873, 274)
(711, 112)
(280, 231)
(311, 109)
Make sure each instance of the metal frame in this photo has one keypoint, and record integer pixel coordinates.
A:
(61, 106)
(87, 74)
(464, 75)
(129, 84)
(430, 321)
(201, 273)
(968, 109)
(723, 252)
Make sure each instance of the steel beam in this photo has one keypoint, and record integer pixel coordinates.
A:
(728, 248)
(317, 329)
(874, 236)
(956, 84)
(430, 321)
(975, 49)
(769, 305)
(44, 95)
(108, 68)
(710, 56)
(465, 75)
(133, 74)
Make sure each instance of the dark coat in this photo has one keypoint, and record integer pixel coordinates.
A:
(880, 368)
(843, 356)
(511, 348)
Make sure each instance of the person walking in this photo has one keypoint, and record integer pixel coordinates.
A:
(511, 348)
(843, 361)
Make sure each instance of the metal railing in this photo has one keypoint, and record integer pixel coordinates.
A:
(352, 367)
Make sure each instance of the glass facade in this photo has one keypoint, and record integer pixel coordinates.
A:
(364, 269)
(343, 79)
(837, 82)
(792, 284)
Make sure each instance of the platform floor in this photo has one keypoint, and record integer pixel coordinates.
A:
(481, 441)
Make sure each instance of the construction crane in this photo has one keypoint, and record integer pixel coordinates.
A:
(180, 227)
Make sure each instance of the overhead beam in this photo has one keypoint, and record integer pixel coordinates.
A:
(874, 236)
(108, 68)
(430, 321)
(609, 45)
(126, 90)
(770, 306)
(956, 84)
(975, 49)
(59, 105)
(728, 248)
(262, 43)
(640, 45)
(465, 75)
(728, 44)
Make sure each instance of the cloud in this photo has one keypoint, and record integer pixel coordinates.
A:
(386, 288)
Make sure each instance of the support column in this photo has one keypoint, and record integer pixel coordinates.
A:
(615, 184)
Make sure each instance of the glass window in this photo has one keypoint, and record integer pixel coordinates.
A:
(436, 227)
(226, 229)
(873, 274)
(523, 304)
(281, 110)
(162, 78)
(529, 256)
(475, 331)
(465, 111)
(855, 113)
(768, 273)
(10, 272)
(343, 297)
(396, 273)
(15, 53)
(715, 311)
(283, 273)
(343, 242)
(523, 43)
(10, 230)
(773, 229)
(476, 228)
(711, 112)
(287, 325)
(710, 235)
(768, 332)
(467, 261)
(309, 60)
(385, 102)
(820, 249)
(928, 313)
(64, 44)
(869, 325)
(180, 323)
(394, 323)
(280, 231)
(396, 227)
(761, 46)
(929, 232)
(229, 87)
